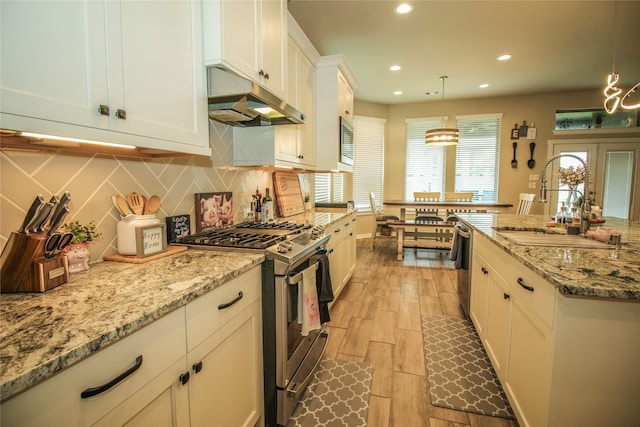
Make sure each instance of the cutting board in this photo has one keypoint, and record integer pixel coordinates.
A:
(171, 249)
(288, 193)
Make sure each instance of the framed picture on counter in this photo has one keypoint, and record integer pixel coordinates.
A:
(214, 210)
(150, 240)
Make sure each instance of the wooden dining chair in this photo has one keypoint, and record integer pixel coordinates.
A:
(424, 196)
(460, 196)
(379, 219)
(524, 203)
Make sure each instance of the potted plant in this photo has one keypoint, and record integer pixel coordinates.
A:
(77, 252)
(307, 202)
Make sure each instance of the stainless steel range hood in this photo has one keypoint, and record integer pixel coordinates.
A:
(236, 101)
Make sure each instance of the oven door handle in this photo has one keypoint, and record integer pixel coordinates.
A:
(297, 278)
(297, 388)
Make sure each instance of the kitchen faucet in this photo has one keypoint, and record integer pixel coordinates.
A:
(585, 207)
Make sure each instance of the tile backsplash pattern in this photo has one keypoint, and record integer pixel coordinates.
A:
(93, 179)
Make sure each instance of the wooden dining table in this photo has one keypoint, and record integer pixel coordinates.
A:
(410, 232)
(473, 206)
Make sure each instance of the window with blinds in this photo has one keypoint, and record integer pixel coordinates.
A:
(329, 188)
(425, 165)
(477, 155)
(368, 165)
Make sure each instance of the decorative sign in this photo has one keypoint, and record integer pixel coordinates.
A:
(214, 210)
(150, 240)
(177, 226)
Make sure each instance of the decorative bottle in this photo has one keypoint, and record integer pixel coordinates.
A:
(267, 206)
(561, 216)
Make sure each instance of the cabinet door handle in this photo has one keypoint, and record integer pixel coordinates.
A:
(506, 296)
(197, 367)
(521, 283)
(121, 114)
(485, 271)
(230, 303)
(184, 378)
(103, 110)
(93, 391)
(337, 230)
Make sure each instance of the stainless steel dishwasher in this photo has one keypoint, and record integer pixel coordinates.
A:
(463, 267)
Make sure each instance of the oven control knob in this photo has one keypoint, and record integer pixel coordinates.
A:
(282, 249)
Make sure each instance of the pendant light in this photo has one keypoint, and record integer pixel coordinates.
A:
(443, 135)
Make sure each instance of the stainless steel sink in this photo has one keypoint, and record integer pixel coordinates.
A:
(544, 238)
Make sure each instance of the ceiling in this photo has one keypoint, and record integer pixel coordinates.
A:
(555, 45)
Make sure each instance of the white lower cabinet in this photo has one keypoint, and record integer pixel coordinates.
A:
(341, 251)
(58, 399)
(200, 365)
(562, 360)
(224, 343)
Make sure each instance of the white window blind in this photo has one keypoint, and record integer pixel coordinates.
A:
(329, 187)
(425, 165)
(368, 165)
(323, 187)
(477, 155)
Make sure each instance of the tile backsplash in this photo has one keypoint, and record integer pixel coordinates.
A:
(93, 179)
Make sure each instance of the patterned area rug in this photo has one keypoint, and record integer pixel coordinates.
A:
(459, 371)
(337, 396)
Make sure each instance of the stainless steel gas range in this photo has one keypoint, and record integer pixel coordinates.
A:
(291, 251)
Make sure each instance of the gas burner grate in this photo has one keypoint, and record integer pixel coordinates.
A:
(232, 239)
(284, 225)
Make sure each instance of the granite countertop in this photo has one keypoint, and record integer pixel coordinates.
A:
(40, 334)
(603, 273)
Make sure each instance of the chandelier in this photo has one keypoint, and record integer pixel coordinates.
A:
(443, 135)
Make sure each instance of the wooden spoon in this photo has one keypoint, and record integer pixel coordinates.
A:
(136, 202)
(152, 206)
(122, 205)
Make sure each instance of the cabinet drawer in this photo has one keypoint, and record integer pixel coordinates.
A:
(531, 291)
(57, 400)
(205, 315)
(540, 300)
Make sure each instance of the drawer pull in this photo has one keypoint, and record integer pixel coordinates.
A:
(230, 303)
(485, 271)
(197, 367)
(506, 296)
(93, 391)
(521, 283)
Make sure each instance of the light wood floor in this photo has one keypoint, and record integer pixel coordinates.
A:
(376, 319)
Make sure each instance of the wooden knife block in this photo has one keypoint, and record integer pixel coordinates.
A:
(24, 268)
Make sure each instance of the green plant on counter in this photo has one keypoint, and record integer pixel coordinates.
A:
(82, 233)
(307, 198)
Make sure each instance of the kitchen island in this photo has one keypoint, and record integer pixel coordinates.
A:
(43, 334)
(560, 324)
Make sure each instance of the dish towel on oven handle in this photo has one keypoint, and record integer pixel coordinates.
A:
(323, 283)
(309, 313)
(456, 249)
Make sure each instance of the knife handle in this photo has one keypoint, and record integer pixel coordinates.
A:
(31, 213)
(64, 200)
(57, 220)
(41, 218)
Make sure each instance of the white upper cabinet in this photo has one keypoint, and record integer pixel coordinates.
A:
(335, 84)
(119, 71)
(250, 38)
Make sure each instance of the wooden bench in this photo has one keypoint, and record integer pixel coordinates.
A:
(422, 234)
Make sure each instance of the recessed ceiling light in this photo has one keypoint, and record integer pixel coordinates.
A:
(404, 8)
(395, 67)
(504, 57)
(398, 92)
(483, 85)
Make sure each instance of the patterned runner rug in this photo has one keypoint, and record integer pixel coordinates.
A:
(337, 396)
(459, 371)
